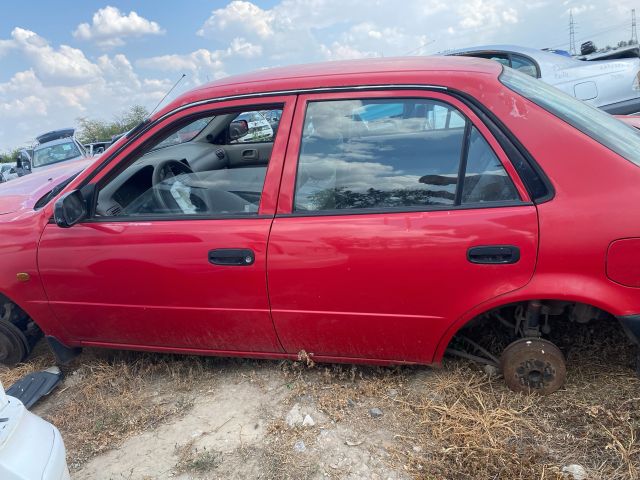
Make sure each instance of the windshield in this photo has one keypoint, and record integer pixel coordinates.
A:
(55, 153)
(597, 124)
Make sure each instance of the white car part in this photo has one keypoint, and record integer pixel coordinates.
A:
(30, 448)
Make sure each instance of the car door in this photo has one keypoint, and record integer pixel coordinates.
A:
(398, 212)
(173, 255)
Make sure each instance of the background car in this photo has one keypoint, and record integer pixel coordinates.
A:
(8, 171)
(258, 127)
(53, 147)
(30, 448)
(608, 84)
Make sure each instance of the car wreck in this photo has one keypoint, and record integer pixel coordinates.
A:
(397, 202)
(608, 80)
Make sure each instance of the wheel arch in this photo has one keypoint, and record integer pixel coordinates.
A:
(602, 297)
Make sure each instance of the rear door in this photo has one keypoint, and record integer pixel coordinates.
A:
(397, 213)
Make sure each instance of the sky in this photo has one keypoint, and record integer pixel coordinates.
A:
(62, 60)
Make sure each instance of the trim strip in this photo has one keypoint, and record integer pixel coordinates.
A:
(432, 208)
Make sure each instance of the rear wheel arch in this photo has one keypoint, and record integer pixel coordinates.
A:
(510, 300)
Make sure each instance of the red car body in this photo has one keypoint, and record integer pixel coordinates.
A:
(379, 287)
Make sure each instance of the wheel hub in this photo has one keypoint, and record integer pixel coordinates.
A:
(533, 365)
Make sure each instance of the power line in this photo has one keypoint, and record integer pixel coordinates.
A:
(572, 34)
(594, 34)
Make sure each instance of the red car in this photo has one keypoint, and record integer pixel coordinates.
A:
(398, 201)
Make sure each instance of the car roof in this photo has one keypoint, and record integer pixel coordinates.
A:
(346, 73)
(53, 142)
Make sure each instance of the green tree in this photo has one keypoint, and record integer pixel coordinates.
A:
(9, 156)
(93, 130)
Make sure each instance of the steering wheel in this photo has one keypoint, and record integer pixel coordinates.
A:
(162, 172)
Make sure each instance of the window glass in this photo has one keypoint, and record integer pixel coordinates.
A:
(191, 170)
(59, 152)
(597, 124)
(185, 134)
(524, 65)
(503, 58)
(378, 154)
(259, 128)
(485, 178)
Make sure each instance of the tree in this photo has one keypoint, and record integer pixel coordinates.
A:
(9, 156)
(92, 130)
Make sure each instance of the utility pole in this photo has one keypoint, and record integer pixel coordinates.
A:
(634, 33)
(572, 34)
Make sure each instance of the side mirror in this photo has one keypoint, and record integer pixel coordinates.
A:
(238, 129)
(70, 209)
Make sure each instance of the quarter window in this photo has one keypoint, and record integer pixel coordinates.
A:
(394, 154)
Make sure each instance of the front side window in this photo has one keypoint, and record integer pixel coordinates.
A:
(394, 154)
(597, 124)
(194, 168)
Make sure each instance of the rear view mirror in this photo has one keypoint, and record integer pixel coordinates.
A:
(70, 209)
(238, 129)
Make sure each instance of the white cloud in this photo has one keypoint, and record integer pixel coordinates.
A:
(62, 65)
(109, 27)
(62, 84)
(241, 15)
(242, 48)
(203, 65)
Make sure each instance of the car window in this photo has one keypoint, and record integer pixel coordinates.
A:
(597, 124)
(259, 129)
(524, 65)
(485, 178)
(202, 175)
(503, 58)
(185, 134)
(359, 154)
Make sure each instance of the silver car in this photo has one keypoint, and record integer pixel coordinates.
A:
(612, 85)
(8, 171)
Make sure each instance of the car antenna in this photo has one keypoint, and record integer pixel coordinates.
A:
(135, 129)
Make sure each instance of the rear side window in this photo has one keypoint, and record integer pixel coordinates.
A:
(395, 153)
(602, 127)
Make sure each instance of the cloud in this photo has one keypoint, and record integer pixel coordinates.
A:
(204, 65)
(110, 27)
(62, 65)
(241, 15)
(62, 84)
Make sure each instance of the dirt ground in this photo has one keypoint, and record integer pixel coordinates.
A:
(127, 415)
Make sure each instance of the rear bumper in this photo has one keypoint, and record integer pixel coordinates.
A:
(631, 326)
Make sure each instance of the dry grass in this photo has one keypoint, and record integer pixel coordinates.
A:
(194, 460)
(452, 423)
(460, 423)
(108, 396)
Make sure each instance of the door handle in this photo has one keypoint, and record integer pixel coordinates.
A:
(493, 254)
(250, 154)
(239, 257)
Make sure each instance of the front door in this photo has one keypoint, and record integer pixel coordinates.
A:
(174, 254)
(398, 212)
